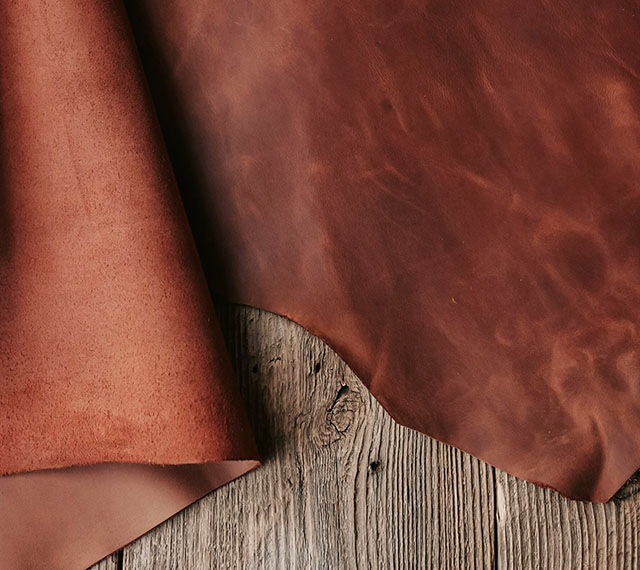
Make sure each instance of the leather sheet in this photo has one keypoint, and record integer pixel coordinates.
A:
(447, 193)
(111, 360)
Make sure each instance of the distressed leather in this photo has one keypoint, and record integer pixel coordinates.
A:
(448, 193)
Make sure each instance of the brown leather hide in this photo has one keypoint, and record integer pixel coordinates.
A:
(448, 193)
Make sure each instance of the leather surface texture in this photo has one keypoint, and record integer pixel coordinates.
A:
(448, 193)
(111, 360)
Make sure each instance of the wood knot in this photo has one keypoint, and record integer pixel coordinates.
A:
(341, 413)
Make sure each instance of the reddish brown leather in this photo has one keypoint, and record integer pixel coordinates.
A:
(448, 193)
(109, 347)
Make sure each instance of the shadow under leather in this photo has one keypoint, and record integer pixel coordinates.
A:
(92, 511)
(193, 186)
(251, 387)
(174, 124)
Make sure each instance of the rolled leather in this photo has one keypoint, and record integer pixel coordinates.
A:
(117, 405)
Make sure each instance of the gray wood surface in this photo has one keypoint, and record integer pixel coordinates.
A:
(538, 528)
(343, 486)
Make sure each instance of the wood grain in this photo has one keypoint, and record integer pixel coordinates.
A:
(344, 487)
(538, 529)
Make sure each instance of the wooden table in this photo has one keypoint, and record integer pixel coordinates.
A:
(344, 487)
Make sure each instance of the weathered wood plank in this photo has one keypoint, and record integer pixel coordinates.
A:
(539, 530)
(342, 485)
